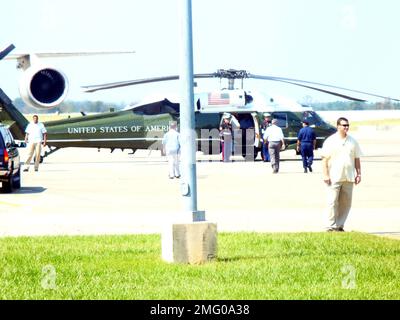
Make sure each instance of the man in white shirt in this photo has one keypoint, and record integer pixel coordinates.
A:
(274, 136)
(36, 136)
(172, 146)
(341, 169)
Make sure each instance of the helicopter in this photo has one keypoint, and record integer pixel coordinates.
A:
(247, 106)
(143, 125)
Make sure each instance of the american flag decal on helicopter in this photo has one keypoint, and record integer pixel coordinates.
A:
(218, 98)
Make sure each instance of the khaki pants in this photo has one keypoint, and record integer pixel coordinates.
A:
(173, 165)
(34, 148)
(339, 203)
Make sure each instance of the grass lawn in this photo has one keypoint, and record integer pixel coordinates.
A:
(249, 266)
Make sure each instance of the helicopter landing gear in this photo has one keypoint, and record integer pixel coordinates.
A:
(47, 153)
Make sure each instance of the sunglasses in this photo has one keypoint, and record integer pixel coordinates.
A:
(345, 125)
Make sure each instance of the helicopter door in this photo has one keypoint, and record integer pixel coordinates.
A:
(257, 134)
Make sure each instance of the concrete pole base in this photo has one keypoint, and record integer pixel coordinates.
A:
(192, 243)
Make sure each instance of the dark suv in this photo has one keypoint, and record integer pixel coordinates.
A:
(10, 167)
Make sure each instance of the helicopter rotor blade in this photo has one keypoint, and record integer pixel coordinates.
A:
(301, 82)
(242, 74)
(120, 84)
(6, 51)
(328, 92)
(323, 90)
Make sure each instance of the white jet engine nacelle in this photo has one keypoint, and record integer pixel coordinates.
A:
(43, 87)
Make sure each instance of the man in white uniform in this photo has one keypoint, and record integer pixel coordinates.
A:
(341, 169)
(172, 146)
(274, 136)
(35, 135)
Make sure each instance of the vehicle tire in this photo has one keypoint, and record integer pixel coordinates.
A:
(16, 181)
(7, 186)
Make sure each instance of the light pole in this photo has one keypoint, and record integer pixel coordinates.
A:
(187, 121)
(193, 241)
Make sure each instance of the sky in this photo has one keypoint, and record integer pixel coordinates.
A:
(348, 43)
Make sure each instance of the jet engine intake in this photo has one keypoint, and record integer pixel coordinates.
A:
(43, 87)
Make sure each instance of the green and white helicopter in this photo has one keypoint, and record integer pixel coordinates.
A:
(143, 125)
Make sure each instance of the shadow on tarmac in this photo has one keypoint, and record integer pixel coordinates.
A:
(30, 190)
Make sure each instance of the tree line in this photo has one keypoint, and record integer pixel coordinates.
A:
(72, 106)
(355, 105)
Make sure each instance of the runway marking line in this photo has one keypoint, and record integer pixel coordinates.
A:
(10, 204)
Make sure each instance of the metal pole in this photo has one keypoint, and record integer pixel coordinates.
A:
(187, 121)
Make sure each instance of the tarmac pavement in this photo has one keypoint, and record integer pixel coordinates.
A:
(85, 192)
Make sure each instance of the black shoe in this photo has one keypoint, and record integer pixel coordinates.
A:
(335, 229)
(171, 177)
(26, 170)
(305, 170)
(309, 168)
(177, 177)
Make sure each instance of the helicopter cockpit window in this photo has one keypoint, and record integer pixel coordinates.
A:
(282, 119)
(312, 118)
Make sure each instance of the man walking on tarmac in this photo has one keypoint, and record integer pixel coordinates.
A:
(172, 146)
(265, 124)
(36, 136)
(341, 169)
(306, 143)
(274, 136)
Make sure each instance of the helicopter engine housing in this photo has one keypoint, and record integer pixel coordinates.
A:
(43, 87)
